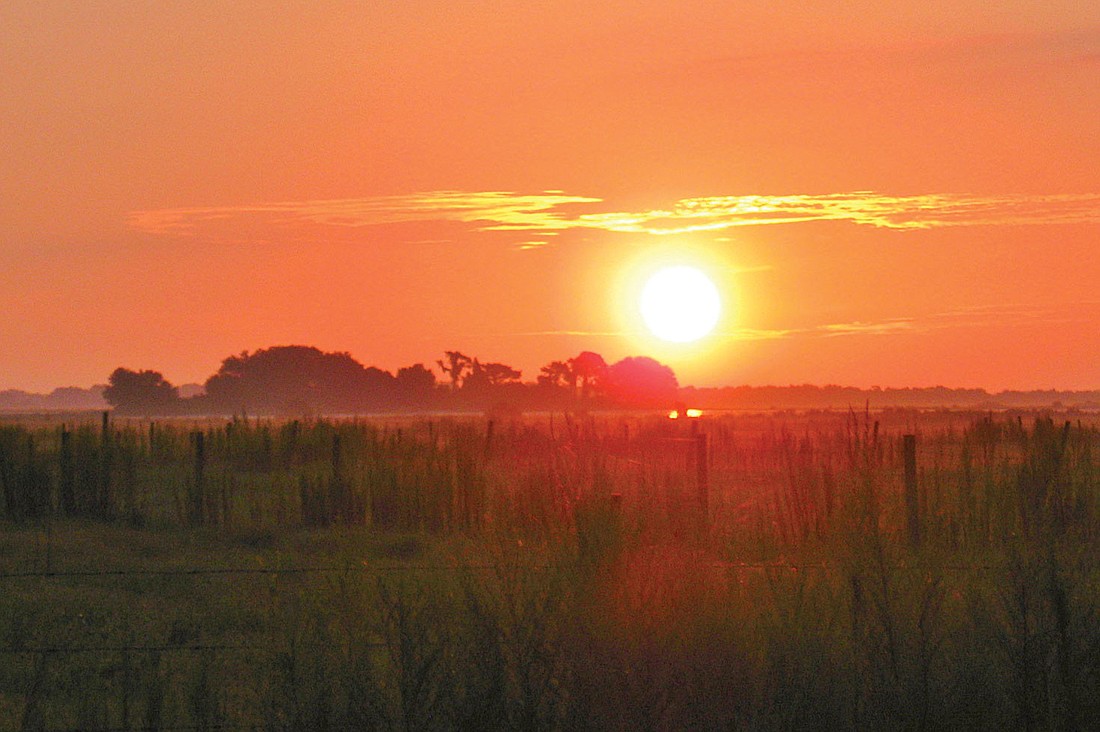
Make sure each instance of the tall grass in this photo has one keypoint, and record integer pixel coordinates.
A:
(550, 574)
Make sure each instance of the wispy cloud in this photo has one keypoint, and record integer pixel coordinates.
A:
(864, 208)
(758, 334)
(828, 330)
(569, 333)
(858, 327)
(552, 211)
(500, 208)
(1005, 315)
(752, 269)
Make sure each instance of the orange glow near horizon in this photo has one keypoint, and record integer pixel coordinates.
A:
(901, 195)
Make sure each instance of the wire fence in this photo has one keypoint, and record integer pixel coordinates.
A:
(43, 653)
(369, 568)
(694, 464)
(203, 727)
(59, 650)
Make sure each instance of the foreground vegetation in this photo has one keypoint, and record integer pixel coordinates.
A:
(550, 574)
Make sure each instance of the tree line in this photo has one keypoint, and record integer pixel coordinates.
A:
(303, 380)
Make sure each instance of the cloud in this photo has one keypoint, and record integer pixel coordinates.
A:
(756, 334)
(525, 212)
(540, 333)
(1005, 315)
(551, 212)
(885, 327)
(865, 208)
(828, 330)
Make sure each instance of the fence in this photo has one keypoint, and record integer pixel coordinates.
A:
(362, 474)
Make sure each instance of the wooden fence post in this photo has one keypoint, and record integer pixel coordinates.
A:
(702, 479)
(339, 499)
(199, 490)
(488, 439)
(67, 485)
(912, 502)
(617, 508)
(103, 499)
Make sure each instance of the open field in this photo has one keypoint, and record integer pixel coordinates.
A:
(610, 572)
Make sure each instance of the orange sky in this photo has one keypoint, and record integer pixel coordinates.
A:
(896, 195)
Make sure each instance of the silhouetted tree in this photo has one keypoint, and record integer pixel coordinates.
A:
(141, 392)
(415, 384)
(557, 374)
(298, 379)
(640, 381)
(588, 368)
(485, 376)
(498, 373)
(456, 366)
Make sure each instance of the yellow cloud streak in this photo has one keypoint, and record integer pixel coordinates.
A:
(977, 317)
(864, 208)
(492, 206)
(548, 212)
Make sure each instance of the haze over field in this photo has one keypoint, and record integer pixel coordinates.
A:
(897, 195)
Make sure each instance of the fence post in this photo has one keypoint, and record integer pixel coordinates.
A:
(198, 494)
(67, 486)
(339, 500)
(912, 502)
(702, 479)
(488, 439)
(103, 500)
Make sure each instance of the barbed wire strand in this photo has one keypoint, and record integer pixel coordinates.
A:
(202, 648)
(366, 567)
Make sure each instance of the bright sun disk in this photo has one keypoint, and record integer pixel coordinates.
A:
(680, 304)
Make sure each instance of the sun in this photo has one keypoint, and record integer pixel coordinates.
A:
(680, 304)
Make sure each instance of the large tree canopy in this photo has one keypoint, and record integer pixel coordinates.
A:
(588, 369)
(140, 392)
(297, 379)
(640, 381)
(415, 383)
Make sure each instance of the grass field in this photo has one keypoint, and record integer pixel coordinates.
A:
(617, 572)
